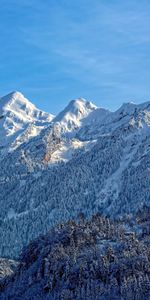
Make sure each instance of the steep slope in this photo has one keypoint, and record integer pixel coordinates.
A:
(19, 120)
(48, 179)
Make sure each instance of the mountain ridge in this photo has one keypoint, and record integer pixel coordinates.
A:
(100, 165)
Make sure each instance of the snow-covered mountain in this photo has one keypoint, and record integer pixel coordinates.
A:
(19, 120)
(86, 159)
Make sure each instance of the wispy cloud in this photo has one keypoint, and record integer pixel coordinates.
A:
(100, 45)
(101, 36)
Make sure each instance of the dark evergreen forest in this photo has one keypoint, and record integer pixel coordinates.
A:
(94, 259)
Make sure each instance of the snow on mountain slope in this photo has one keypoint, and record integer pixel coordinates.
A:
(87, 159)
(16, 113)
(128, 115)
(71, 117)
(58, 141)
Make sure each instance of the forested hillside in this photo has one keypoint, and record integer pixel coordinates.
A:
(97, 258)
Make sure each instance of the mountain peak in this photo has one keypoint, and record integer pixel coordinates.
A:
(74, 112)
(15, 94)
(82, 102)
(16, 113)
(80, 105)
(15, 101)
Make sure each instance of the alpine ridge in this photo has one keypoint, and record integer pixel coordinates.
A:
(86, 159)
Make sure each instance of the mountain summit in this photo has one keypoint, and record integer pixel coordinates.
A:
(16, 113)
(71, 117)
(15, 103)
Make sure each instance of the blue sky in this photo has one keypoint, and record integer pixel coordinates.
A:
(57, 50)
